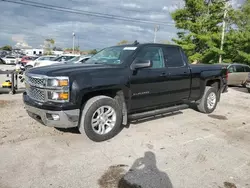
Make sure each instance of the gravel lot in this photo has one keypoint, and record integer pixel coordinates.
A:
(183, 150)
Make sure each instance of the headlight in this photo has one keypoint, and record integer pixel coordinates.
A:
(58, 96)
(58, 82)
(58, 89)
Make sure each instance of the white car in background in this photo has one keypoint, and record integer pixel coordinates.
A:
(78, 59)
(12, 60)
(31, 64)
(57, 60)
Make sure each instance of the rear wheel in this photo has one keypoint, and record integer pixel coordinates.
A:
(209, 100)
(101, 118)
(248, 89)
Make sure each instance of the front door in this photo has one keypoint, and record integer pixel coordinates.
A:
(149, 85)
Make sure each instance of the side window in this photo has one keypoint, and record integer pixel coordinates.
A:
(232, 69)
(154, 54)
(239, 68)
(247, 69)
(173, 57)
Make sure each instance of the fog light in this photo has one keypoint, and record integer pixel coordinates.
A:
(55, 117)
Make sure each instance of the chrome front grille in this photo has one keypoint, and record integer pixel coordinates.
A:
(34, 87)
(38, 82)
(36, 93)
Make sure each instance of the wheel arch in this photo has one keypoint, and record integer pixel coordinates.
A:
(117, 94)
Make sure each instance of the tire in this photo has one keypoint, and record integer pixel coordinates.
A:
(89, 111)
(204, 106)
(248, 89)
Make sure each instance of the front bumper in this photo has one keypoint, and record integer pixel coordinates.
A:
(64, 119)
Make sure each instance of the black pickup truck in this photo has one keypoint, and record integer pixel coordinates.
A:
(119, 84)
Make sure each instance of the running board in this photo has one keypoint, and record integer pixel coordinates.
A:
(157, 112)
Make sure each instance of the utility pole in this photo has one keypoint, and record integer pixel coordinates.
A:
(78, 46)
(73, 34)
(223, 29)
(157, 28)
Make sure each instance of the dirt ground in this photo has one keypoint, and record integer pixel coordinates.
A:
(186, 149)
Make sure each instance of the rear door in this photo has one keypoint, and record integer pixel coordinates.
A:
(149, 85)
(232, 75)
(178, 74)
(241, 74)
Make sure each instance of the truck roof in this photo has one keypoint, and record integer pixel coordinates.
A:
(145, 44)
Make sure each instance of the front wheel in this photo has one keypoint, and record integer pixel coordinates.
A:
(209, 100)
(101, 118)
(248, 89)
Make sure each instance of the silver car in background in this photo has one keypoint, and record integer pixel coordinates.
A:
(238, 74)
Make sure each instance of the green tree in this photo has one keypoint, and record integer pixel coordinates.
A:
(7, 48)
(200, 28)
(122, 42)
(71, 49)
(57, 49)
(48, 45)
(94, 51)
(166, 42)
(237, 42)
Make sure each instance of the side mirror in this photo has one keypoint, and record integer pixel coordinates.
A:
(140, 64)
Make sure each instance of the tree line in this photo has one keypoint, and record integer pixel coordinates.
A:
(200, 25)
(200, 28)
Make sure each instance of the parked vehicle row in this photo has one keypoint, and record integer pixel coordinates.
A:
(53, 60)
(56, 60)
(10, 60)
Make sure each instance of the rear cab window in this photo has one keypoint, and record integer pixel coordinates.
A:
(173, 57)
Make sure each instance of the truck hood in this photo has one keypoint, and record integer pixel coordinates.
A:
(67, 70)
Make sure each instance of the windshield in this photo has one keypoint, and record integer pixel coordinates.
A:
(63, 58)
(10, 57)
(112, 55)
(73, 60)
(45, 58)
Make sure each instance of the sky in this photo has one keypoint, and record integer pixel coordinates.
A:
(26, 27)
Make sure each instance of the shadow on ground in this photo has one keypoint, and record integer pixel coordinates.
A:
(73, 130)
(239, 88)
(143, 173)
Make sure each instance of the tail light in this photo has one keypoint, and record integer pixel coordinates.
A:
(227, 75)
